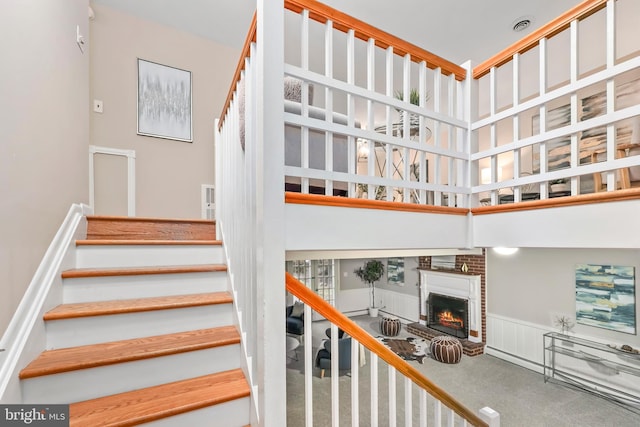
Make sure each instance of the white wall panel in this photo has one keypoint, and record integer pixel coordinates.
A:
(332, 228)
(401, 305)
(598, 225)
(353, 300)
(522, 343)
(516, 341)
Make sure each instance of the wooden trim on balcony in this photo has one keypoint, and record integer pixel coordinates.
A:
(346, 202)
(246, 53)
(562, 22)
(584, 199)
(316, 303)
(363, 31)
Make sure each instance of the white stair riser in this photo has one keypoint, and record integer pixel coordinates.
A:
(88, 289)
(100, 256)
(98, 329)
(84, 384)
(235, 413)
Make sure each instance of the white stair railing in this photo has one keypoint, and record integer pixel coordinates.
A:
(422, 402)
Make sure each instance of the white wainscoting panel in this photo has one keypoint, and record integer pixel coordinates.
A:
(407, 307)
(517, 341)
(356, 301)
(353, 300)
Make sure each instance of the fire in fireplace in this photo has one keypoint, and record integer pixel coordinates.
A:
(448, 314)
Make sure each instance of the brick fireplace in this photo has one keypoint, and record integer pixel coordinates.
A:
(451, 304)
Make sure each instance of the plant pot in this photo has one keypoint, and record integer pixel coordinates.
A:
(373, 311)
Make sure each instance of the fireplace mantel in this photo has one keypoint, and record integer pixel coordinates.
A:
(455, 285)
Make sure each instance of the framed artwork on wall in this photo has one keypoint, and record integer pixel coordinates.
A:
(605, 297)
(164, 101)
(395, 271)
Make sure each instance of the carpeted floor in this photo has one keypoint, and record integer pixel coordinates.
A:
(520, 395)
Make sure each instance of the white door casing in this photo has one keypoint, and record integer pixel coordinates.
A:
(131, 174)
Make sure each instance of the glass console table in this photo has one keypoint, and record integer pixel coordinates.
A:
(590, 366)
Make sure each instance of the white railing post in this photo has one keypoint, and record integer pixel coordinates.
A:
(392, 395)
(270, 254)
(470, 114)
(490, 416)
(328, 99)
(308, 369)
(355, 391)
(374, 390)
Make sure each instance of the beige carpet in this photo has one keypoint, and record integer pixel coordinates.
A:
(521, 396)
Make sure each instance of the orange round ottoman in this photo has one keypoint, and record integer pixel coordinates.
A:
(446, 349)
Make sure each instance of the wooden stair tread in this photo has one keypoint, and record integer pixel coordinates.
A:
(90, 356)
(149, 219)
(136, 228)
(142, 242)
(138, 271)
(100, 308)
(153, 403)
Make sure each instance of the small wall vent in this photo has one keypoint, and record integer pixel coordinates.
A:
(208, 202)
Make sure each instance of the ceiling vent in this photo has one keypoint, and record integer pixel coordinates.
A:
(522, 23)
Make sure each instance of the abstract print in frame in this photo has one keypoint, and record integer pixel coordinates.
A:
(605, 297)
(395, 271)
(164, 101)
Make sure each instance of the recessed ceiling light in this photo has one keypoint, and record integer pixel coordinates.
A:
(505, 251)
(522, 23)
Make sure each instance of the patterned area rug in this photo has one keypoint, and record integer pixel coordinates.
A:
(409, 349)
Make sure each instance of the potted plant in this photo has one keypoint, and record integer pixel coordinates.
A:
(370, 273)
(414, 98)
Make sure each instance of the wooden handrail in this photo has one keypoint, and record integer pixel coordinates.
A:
(583, 199)
(363, 31)
(314, 301)
(562, 22)
(244, 54)
(348, 202)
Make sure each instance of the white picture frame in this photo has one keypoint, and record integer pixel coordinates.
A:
(164, 102)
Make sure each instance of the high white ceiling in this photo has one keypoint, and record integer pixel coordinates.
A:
(458, 30)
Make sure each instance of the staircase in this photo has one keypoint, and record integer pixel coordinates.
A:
(145, 333)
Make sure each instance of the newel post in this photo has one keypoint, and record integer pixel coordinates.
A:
(490, 416)
(270, 214)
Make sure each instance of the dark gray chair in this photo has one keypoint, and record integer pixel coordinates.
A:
(323, 359)
(295, 324)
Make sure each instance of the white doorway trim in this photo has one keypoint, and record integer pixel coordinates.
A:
(131, 175)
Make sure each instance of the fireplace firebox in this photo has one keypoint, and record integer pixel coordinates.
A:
(449, 315)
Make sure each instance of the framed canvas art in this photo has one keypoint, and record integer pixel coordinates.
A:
(395, 271)
(605, 297)
(164, 101)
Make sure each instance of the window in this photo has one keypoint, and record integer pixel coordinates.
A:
(318, 275)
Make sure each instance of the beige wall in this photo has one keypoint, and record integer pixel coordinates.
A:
(44, 133)
(349, 280)
(169, 173)
(535, 285)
